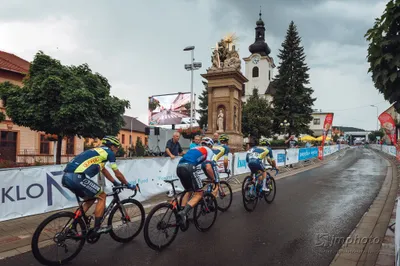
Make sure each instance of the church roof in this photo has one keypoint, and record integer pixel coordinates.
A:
(271, 90)
(260, 46)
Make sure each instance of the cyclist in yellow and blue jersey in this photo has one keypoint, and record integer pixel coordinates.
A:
(255, 157)
(219, 150)
(79, 171)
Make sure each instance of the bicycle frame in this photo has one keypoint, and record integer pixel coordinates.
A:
(81, 213)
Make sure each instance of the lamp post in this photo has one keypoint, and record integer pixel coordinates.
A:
(285, 124)
(191, 67)
(377, 115)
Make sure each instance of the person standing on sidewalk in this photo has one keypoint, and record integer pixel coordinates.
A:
(196, 142)
(173, 149)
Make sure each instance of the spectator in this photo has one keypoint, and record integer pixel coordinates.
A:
(173, 149)
(292, 143)
(196, 142)
(215, 139)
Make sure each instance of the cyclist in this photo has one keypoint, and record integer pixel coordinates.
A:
(254, 159)
(79, 171)
(219, 150)
(185, 171)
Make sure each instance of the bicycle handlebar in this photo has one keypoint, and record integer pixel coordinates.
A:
(122, 187)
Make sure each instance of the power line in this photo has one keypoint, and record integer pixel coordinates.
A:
(352, 108)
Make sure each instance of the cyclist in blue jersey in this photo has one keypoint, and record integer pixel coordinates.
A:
(79, 171)
(220, 150)
(185, 171)
(255, 157)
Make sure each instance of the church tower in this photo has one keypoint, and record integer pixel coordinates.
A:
(259, 65)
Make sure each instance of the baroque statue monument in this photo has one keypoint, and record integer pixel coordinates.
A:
(225, 88)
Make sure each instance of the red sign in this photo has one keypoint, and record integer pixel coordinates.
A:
(320, 152)
(387, 123)
(327, 126)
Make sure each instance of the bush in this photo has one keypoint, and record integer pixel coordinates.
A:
(121, 152)
(139, 147)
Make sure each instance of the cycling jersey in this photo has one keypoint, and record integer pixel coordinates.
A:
(220, 150)
(259, 153)
(91, 162)
(197, 155)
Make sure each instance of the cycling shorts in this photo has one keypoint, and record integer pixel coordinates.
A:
(190, 181)
(81, 185)
(256, 165)
(214, 168)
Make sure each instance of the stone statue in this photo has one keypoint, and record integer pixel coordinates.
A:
(220, 121)
(225, 55)
(235, 121)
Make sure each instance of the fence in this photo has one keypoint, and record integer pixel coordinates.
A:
(37, 189)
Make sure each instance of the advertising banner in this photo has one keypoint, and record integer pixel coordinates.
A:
(169, 109)
(308, 153)
(327, 126)
(389, 126)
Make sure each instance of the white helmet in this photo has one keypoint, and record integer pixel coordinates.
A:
(207, 141)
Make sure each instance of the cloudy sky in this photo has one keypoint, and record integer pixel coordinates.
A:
(138, 45)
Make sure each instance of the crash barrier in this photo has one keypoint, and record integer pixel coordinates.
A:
(34, 190)
(391, 150)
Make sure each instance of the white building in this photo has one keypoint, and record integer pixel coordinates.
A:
(317, 124)
(259, 65)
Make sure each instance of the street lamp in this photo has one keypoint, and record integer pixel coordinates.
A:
(285, 124)
(191, 67)
(377, 115)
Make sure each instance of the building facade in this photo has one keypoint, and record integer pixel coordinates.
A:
(317, 123)
(259, 65)
(21, 145)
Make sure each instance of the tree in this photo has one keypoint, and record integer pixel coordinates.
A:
(64, 100)
(139, 148)
(293, 101)
(256, 117)
(203, 103)
(384, 53)
(377, 133)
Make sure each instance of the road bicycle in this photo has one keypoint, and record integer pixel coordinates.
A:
(78, 228)
(224, 194)
(169, 222)
(252, 190)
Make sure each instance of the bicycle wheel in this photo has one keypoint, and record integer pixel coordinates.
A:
(208, 204)
(161, 225)
(250, 197)
(224, 198)
(40, 246)
(134, 219)
(272, 191)
(246, 180)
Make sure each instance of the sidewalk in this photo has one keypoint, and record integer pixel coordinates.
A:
(372, 242)
(16, 234)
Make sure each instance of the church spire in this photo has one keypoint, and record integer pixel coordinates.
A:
(260, 46)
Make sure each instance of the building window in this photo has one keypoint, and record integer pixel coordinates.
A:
(130, 139)
(44, 145)
(70, 145)
(123, 138)
(317, 121)
(255, 72)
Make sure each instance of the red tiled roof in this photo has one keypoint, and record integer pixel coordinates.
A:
(13, 63)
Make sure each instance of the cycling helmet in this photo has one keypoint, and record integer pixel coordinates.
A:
(207, 141)
(111, 140)
(264, 142)
(223, 137)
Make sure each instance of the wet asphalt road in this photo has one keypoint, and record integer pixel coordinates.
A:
(310, 208)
